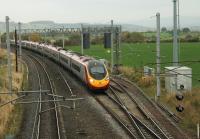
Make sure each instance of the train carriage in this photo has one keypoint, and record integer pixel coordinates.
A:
(89, 70)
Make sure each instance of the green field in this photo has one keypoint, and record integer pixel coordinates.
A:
(140, 54)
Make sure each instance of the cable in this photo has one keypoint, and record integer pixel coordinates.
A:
(189, 61)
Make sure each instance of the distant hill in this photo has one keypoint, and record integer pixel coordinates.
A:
(52, 24)
(185, 21)
(135, 28)
(42, 22)
(195, 28)
(37, 25)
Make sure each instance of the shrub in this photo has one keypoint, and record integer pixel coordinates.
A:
(146, 81)
(132, 37)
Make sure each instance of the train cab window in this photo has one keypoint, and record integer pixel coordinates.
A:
(97, 70)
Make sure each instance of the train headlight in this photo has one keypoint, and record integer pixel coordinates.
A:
(91, 80)
(107, 78)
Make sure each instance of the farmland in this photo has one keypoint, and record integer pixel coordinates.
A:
(139, 54)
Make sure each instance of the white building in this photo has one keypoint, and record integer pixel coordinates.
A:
(149, 71)
(177, 77)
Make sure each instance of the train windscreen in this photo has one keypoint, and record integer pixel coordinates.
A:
(97, 70)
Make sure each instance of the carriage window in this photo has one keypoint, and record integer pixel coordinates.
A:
(64, 59)
(76, 67)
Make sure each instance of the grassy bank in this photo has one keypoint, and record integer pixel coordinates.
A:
(8, 112)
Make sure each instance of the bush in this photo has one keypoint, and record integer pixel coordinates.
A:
(58, 42)
(97, 40)
(35, 37)
(74, 39)
(186, 30)
(130, 73)
(190, 38)
(132, 37)
(146, 81)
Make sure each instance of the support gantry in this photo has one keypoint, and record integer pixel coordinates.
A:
(115, 30)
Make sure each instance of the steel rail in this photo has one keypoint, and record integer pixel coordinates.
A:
(66, 83)
(176, 118)
(11, 101)
(38, 108)
(117, 118)
(52, 90)
(136, 120)
(38, 104)
(145, 126)
(47, 101)
(141, 109)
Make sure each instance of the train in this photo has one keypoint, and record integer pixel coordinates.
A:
(92, 72)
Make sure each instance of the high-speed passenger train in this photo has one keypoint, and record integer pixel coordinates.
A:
(91, 71)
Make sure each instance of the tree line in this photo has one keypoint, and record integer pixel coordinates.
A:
(185, 35)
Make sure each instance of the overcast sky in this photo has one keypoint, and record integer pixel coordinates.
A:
(93, 11)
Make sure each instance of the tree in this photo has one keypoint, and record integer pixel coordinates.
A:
(132, 37)
(190, 38)
(186, 30)
(75, 39)
(3, 37)
(164, 29)
(96, 40)
(35, 37)
(24, 37)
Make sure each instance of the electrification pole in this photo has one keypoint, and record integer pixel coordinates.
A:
(63, 39)
(16, 54)
(112, 60)
(81, 39)
(9, 57)
(0, 39)
(198, 131)
(29, 38)
(175, 36)
(179, 30)
(20, 47)
(45, 36)
(158, 54)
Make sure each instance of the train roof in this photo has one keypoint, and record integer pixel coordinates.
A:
(84, 59)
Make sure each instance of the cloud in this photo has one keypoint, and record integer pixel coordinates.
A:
(92, 10)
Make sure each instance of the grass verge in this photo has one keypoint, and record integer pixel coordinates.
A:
(10, 116)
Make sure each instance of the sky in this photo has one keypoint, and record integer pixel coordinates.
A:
(93, 11)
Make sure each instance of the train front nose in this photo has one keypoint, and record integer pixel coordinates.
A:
(98, 77)
(98, 84)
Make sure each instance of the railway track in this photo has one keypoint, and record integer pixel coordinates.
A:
(139, 123)
(66, 85)
(170, 114)
(38, 105)
(149, 109)
(136, 127)
(46, 123)
(139, 113)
